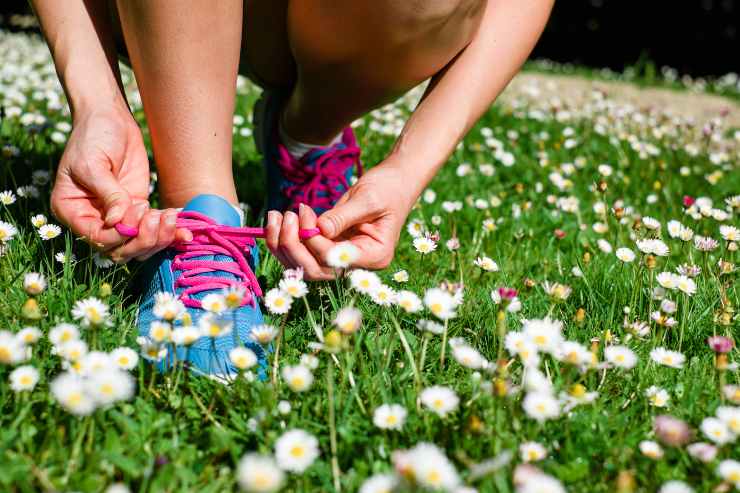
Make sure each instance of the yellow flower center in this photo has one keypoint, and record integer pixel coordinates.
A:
(436, 308)
(4, 354)
(391, 420)
(297, 451)
(93, 315)
(106, 389)
(26, 380)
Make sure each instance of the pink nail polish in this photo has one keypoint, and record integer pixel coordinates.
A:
(125, 230)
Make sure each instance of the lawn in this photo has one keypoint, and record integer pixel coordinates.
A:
(554, 336)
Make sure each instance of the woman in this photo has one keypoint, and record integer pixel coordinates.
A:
(322, 64)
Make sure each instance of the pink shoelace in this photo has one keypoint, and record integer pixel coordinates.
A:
(210, 239)
(325, 174)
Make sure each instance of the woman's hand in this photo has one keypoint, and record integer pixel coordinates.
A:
(103, 179)
(370, 215)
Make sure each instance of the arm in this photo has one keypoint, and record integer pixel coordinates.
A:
(458, 96)
(372, 213)
(103, 175)
(80, 39)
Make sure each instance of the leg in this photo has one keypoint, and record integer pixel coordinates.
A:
(352, 57)
(185, 55)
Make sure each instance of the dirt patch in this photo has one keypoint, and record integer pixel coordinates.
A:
(577, 90)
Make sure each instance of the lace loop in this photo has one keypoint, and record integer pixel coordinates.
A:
(326, 174)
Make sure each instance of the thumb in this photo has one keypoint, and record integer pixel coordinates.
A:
(108, 190)
(343, 216)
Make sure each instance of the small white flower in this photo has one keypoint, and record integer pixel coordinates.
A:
(717, 431)
(364, 281)
(7, 231)
(390, 416)
(625, 255)
(541, 406)
(49, 231)
(38, 220)
(298, 378)
(342, 255)
(24, 378)
(294, 287)
(379, 483)
(663, 356)
(167, 306)
(424, 245)
(409, 301)
(278, 301)
(383, 295)
(263, 334)
(729, 470)
(124, 358)
(242, 357)
(440, 302)
(90, 312)
(296, 450)
(214, 303)
(259, 474)
(28, 335)
(621, 357)
(657, 397)
(439, 399)
(69, 391)
(532, 451)
(401, 276)
(7, 197)
(348, 320)
(651, 449)
(160, 331)
(62, 333)
(211, 325)
(487, 264)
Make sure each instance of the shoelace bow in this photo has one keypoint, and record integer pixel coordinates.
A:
(210, 239)
(325, 174)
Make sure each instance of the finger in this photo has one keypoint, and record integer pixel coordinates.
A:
(272, 237)
(165, 235)
(132, 216)
(318, 245)
(145, 241)
(344, 215)
(106, 187)
(96, 234)
(292, 247)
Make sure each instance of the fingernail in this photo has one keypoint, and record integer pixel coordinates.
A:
(170, 219)
(271, 218)
(154, 221)
(289, 218)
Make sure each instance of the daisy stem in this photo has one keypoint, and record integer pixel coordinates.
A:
(332, 426)
(444, 346)
(407, 348)
(423, 356)
(276, 359)
(316, 328)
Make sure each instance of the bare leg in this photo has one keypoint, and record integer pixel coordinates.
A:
(185, 54)
(352, 57)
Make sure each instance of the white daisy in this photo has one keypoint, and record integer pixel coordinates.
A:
(278, 301)
(259, 474)
(342, 255)
(24, 378)
(296, 450)
(298, 377)
(242, 357)
(348, 320)
(389, 416)
(439, 399)
(49, 231)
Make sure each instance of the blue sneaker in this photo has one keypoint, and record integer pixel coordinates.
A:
(221, 256)
(318, 179)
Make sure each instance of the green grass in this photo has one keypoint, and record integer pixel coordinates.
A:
(191, 439)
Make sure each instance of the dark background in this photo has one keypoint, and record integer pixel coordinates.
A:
(696, 37)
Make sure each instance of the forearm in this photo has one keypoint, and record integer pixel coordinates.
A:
(80, 39)
(457, 97)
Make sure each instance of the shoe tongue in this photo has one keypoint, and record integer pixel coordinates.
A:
(215, 207)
